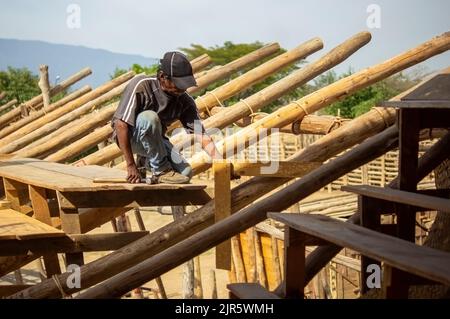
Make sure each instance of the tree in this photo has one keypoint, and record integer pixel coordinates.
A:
(137, 68)
(363, 100)
(19, 83)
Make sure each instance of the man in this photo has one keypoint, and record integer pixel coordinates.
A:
(147, 107)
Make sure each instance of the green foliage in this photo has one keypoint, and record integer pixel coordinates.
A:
(363, 100)
(137, 68)
(19, 84)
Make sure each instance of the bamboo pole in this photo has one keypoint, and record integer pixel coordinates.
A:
(327, 95)
(72, 131)
(8, 105)
(260, 268)
(81, 145)
(227, 70)
(213, 282)
(200, 62)
(44, 85)
(257, 74)
(34, 102)
(64, 115)
(14, 127)
(198, 288)
(237, 259)
(244, 194)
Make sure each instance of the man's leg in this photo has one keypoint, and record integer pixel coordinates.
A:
(147, 141)
(178, 162)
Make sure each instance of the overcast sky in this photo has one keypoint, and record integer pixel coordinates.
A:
(150, 28)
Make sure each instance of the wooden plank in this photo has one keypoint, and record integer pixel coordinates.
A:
(294, 266)
(41, 208)
(401, 197)
(282, 168)
(70, 178)
(17, 194)
(222, 210)
(419, 260)
(137, 198)
(250, 291)
(74, 243)
(15, 225)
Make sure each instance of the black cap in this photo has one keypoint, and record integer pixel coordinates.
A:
(179, 69)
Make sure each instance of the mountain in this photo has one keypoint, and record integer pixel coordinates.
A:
(64, 60)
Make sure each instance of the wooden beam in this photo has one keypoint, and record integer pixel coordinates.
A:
(74, 243)
(137, 198)
(401, 197)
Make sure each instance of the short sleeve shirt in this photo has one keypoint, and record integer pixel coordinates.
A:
(144, 93)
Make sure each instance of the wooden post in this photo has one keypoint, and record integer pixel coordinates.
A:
(294, 267)
(44, 85)
(188, 271)
(222, 208)
(43, 213)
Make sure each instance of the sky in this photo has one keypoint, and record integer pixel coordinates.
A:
(150, 28)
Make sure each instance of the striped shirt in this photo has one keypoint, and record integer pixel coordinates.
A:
(144, 93)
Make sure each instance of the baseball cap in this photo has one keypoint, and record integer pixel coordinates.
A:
(177, 66)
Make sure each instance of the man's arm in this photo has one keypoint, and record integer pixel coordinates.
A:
(124, 144)
(208, 145)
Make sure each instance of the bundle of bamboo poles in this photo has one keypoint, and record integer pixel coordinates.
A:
(258, 100)
(171, 242)
(37, 101)
(227, 90)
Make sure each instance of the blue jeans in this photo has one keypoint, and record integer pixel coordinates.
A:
(148, 141)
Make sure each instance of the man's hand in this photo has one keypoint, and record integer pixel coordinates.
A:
(133, 174)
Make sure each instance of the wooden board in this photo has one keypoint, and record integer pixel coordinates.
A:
(401, 197)
(419, 260)
(15, 225)
(66, 178)
(250, 291)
